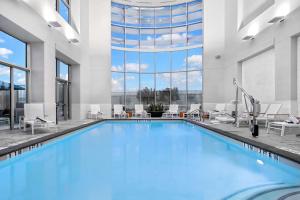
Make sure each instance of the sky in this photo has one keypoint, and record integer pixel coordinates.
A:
(12, 51)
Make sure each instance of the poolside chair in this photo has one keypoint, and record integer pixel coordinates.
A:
(119, 112)
(95, 112)
(219, 110)
(246, 118)
(34, 116)
(270, 115)
(292, 122)
(193, 111)
(173, 111)
(140, 112)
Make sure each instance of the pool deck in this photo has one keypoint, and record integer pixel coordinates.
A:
(287, 146)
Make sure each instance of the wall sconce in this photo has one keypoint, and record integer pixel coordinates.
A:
(282, 11)
(74, 40)
(276, 19)
(252, 32)
(248, 37)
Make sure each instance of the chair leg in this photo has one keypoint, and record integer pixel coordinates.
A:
(32, 129)
(268, 129)
(282, 130)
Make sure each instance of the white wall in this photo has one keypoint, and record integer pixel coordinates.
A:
(214, 40)
(279, 36)
(258, 76)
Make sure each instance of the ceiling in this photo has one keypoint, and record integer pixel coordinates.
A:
(150, 3)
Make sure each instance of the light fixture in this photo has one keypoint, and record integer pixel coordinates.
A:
(74, 40)
(282, 11)
(54, 24)
(248, 37)
(252, 31)
(277, 19)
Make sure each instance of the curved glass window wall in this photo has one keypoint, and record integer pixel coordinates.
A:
(157, 54)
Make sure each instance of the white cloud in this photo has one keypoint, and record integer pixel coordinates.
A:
(194, 61)
(134, 67)
(117, 68)
(5, 53)
(117, 85)
(1, 40)
(4, 71)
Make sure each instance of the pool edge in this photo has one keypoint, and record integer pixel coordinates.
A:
(280, 152)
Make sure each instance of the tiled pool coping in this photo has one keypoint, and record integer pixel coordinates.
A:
(15, 149)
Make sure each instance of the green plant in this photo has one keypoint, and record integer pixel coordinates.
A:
(155, 107)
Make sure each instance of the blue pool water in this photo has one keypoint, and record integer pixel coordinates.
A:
(140, 161)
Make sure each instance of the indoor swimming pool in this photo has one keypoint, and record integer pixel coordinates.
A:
(150, 160)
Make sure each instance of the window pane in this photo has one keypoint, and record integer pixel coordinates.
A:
(132, 16)
(132, 38)
(179, 15)
(132, 88)
(195, 33)
(147, 89)
(195, 59)
(4, 97)
(63, 70)
(178, 92)
(179, 36)
(147, 62)
(163, 17)
(117, 14)
(179, 61)
(132, 62)
(19, 93)
(117, 62)
(163, 61)
(195, 9)
(117, 82)
(147, 17)
(117, 36)
(163, 38)
(12, 50)
(147, 38)
(194, 87)
(163, 85)
(64, 10)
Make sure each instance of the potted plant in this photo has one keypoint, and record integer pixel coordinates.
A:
(156, 110)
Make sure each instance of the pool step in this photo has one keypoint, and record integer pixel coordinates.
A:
(247, 193)
(282, 193)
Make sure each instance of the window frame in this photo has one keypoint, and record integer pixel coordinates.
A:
(67, 3)
(11, 67)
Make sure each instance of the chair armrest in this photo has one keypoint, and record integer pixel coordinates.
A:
(278, 116)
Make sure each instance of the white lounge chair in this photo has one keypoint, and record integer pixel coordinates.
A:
(118, 111)
(219, 110)
(193, 111)
(270, 114)
(95, 112)
(173, 111)
(34, 116)
(292, 122)
(140, 112)
(246, 118)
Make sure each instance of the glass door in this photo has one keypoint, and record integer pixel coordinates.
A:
(62, 100)
(5, 91)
